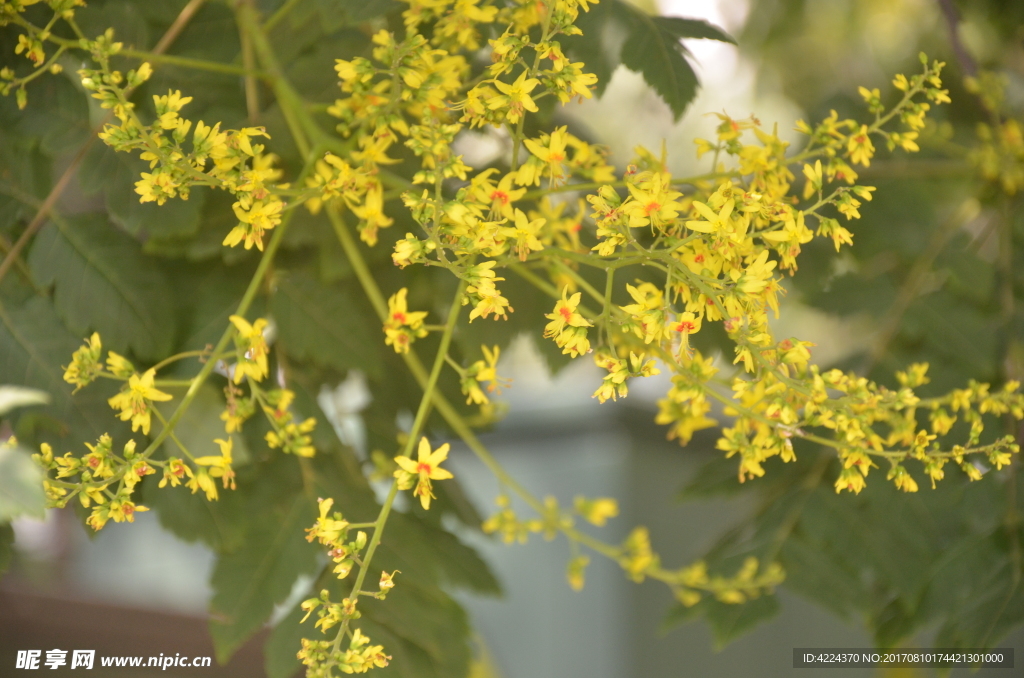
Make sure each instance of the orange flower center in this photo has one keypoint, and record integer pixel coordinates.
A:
(566, 313)
(423, 467)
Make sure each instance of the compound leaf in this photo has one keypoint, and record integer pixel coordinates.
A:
(103, 283)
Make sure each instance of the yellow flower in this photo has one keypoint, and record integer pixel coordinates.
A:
(85, 363)
(525, 234)
(252, 348)
(133, 401)
(575, 572)
(860, 147)
(220, 467)
(596, 511)
(424, 469)
(553, 154)
(500, 197)
(565, 314)
(175, 471)
(712, 222)
(515, 96)
(255, 217)
(402, 326)
(371, 214)
(654, 205)
(328, 530)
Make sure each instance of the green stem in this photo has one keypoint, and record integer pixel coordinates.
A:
(197, 64)
(279, 15)
(429, 392)
(292, 105)
(243, 307)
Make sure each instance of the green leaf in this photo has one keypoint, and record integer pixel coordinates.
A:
(201, 424)
(658, 55)
(651, 48)
(430, 629)
(58, 116)
(592, 46)
(103, 283)
(728, 622)
(692, 28)
(115, 174)
(249, 582)
(13, 397)
(124, 17)
(34, 343)
(191, 517)
(323, 324)
(207, 295)
(284, 641)
(21, 485)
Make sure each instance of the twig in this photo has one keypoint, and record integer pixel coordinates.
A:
(966, 61)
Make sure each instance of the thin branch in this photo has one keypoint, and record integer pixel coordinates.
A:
(967, 63)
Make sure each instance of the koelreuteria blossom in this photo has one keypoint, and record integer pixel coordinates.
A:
(426, 468)
(135, 400)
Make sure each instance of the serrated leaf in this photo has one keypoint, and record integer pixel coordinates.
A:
(651, 48)
(124, 17)
(682, 28)
(727, 621)
(659, 56)
(249, 582)
(284, 641)
(103, 283)
(34, 343)
(21, 485)
(430, 627)
(191, 517)
(176, 218)
(323, 324)
(201, 424)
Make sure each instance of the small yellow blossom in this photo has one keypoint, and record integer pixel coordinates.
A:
(423, 470)
(134, 400)
(251, 347)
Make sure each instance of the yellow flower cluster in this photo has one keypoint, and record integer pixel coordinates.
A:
(102, 479)
(320, 656)
(709, 249)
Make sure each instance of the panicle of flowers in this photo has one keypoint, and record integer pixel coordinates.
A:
(291, 436)
(32, 44)
(320, 657)
(102, 480)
